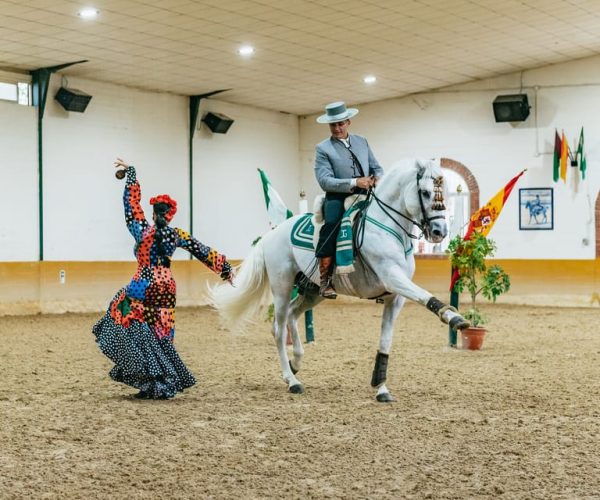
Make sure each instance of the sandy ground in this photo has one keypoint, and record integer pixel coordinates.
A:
(519, 419)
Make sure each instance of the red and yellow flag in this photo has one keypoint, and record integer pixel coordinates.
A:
(484, 219)
(564, 156)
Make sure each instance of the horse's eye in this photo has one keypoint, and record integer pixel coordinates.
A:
(426, 194)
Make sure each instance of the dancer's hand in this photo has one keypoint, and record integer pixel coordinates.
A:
(119, 163)
(231, 277)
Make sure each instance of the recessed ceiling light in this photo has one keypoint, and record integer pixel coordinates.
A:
(246, 50)
(370, 79)
(88, 13)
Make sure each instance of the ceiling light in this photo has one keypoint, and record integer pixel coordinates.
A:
(370, 79)
(246, 50)
(89, 13)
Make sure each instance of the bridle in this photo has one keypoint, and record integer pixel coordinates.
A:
(425, 223)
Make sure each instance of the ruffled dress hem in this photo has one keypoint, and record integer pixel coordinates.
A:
(142, 360)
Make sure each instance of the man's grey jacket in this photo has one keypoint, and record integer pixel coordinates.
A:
(334, 167)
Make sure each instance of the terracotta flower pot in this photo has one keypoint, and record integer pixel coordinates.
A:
(472, 337)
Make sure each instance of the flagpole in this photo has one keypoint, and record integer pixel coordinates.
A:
(277, 213)
(452, 335)
(498, 199)
(309, 327)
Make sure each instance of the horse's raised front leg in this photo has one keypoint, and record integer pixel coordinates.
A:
(298, 306)
(396, 281)
(281, 301)
(393, 306)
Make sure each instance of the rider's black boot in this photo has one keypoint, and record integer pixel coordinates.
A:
(326, 289)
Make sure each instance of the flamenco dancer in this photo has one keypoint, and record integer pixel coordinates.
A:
(137, 331)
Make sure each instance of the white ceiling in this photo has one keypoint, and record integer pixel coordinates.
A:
(308, 52)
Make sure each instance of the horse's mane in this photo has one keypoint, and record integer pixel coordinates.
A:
(409, 167)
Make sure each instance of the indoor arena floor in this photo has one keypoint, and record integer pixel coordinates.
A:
(519, 419)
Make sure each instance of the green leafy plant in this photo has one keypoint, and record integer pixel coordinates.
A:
(475, 277)
(270, 315)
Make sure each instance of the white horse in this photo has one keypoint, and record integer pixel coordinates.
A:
(384, 266)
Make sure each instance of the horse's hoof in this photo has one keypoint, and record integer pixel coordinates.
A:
(294, 371)
(459, 323)
(296, 389)
(385, 397)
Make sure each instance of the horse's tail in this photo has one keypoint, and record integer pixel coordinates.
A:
(237, 304)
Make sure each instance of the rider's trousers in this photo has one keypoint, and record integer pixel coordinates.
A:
(333, 210)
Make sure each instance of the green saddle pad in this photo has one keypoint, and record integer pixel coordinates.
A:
(303, 232)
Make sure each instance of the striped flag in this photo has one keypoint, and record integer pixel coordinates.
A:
(484, 219)
(276, 208)
(557, 151)
(564, 155)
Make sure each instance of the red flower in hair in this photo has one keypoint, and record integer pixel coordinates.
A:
(165, 198)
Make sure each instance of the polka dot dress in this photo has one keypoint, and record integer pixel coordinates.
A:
(137, 331)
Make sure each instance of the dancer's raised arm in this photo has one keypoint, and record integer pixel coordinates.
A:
(132, 195)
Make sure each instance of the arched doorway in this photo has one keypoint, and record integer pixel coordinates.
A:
(469, 178)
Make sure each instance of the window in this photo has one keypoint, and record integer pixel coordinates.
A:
(8, 91)
(24, 93)
(16, 92)
(457, 213)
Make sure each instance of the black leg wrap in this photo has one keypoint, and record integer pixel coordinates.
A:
(305, 285)
(459, 323)
(434, 305)
(380, 370)
(294, 371)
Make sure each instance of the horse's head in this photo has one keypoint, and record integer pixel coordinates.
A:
(430, 195)
(423, 195)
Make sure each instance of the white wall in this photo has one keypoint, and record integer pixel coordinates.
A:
(458, 123)
(82, 199)
(18, 182)
(229, 203)
(83, 214)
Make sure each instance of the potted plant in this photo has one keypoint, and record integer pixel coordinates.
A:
(475, 277)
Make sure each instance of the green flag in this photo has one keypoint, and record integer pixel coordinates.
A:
(276, 208)
(580, 155)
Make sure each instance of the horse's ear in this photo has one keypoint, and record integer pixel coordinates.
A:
(420, 170)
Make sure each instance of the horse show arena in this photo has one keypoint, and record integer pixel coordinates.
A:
(519, 419)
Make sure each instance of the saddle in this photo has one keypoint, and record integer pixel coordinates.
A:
(305, 233)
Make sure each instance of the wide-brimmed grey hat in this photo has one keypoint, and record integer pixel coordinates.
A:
(337, 112)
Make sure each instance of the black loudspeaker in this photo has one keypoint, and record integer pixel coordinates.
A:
(73, 99)
(217, 123)
(511, 108)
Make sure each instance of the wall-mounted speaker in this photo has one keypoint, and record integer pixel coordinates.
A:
(73, 99)
(511, 108)
(217, 122)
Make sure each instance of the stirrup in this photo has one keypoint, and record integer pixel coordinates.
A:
(328, 292)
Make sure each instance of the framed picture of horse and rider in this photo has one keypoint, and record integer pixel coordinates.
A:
(536, 208)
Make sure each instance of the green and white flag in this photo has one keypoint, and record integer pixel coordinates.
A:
(580, 155)
(276, 209)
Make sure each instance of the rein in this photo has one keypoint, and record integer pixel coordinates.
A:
(383, 205)
(424, 225)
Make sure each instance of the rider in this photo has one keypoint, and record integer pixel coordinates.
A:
(344, 165)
